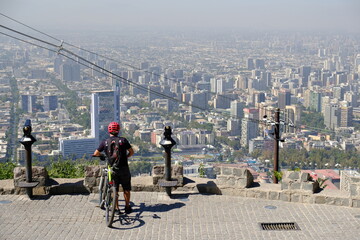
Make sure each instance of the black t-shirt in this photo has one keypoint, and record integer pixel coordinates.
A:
(124, 146)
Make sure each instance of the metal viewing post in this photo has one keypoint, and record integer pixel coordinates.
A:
(167, 143)
(27, 140)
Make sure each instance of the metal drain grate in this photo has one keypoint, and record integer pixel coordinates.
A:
(279, 226)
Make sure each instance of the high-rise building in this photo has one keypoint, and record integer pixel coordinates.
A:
(213, 85)
(152, 89)
(249, 126)
(292, 118)
(346, 116)
(144, 65)
(338, 93)
(237, 109)
(250, 64)
(304, 72)
(105, 108)
(284, 98)
(28, 103)
(234, 126)
(351, 98)
(222, 101)
(259, 64)
(70, 72)
(198, 99)
(331, 116)
(315, 101)
(50, 102)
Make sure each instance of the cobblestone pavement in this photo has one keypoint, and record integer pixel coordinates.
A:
(155, 216)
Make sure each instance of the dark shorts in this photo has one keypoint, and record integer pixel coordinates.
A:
(123, 177)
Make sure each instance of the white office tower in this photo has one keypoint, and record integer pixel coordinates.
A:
(105, 108)
(77, 147)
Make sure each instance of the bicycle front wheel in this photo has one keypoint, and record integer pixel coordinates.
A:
(102, 191)
(111, 199)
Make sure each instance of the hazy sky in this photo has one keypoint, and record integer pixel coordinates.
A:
(183, 14)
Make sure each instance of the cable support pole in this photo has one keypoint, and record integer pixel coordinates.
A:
(276, 144)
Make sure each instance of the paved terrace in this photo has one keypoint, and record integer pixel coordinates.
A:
(185, 216)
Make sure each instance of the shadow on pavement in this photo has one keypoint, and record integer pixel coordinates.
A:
(208, 188)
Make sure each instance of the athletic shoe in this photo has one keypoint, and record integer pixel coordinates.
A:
(128, 210)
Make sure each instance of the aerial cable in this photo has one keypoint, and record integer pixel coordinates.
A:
(124, 80)
(29, 27)
(121, 62)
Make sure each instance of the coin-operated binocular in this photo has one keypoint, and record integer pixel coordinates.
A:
(167, 143)
(27, 140)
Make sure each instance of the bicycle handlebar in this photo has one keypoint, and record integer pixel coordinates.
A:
(102, 157)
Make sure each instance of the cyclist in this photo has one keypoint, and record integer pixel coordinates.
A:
(121, 168)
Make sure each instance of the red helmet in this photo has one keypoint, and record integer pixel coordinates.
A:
(114, 128)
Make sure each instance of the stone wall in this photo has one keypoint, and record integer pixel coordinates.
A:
(234, 177)
(39, 174)
(350, 182)
(158, 172)
(297, 180)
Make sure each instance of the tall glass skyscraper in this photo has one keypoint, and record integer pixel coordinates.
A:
(105, 108)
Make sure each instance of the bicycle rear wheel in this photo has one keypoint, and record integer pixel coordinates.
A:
(111, 199)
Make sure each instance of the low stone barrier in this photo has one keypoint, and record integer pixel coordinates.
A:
(234, 177)
(297, 180)
(39, 174)
(158, 172)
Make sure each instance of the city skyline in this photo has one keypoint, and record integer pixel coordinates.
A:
(260, 15)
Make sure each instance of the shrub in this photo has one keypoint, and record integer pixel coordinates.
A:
(7, 170)
(66, 169)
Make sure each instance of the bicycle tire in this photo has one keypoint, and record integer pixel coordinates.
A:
(101, 191)
(110, 205)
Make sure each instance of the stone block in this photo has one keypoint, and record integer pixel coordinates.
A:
(354, 189)
(304, 177)
(177, 170)
(307, 198)
(284, 196)
(295, 185)
(239, 172)
(355, 202)
(274, 195)
(221, 180)
(217, 170)
(158, 172)
(90, 182)
(295, 197)
(285, 184)
(310, 186)
(241, 183)
(293, 175)
(93, 171)
(226, 171)
(320, 199)
(337, 201)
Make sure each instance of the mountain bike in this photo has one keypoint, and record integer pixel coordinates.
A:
(111, 197)
(108, 196)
